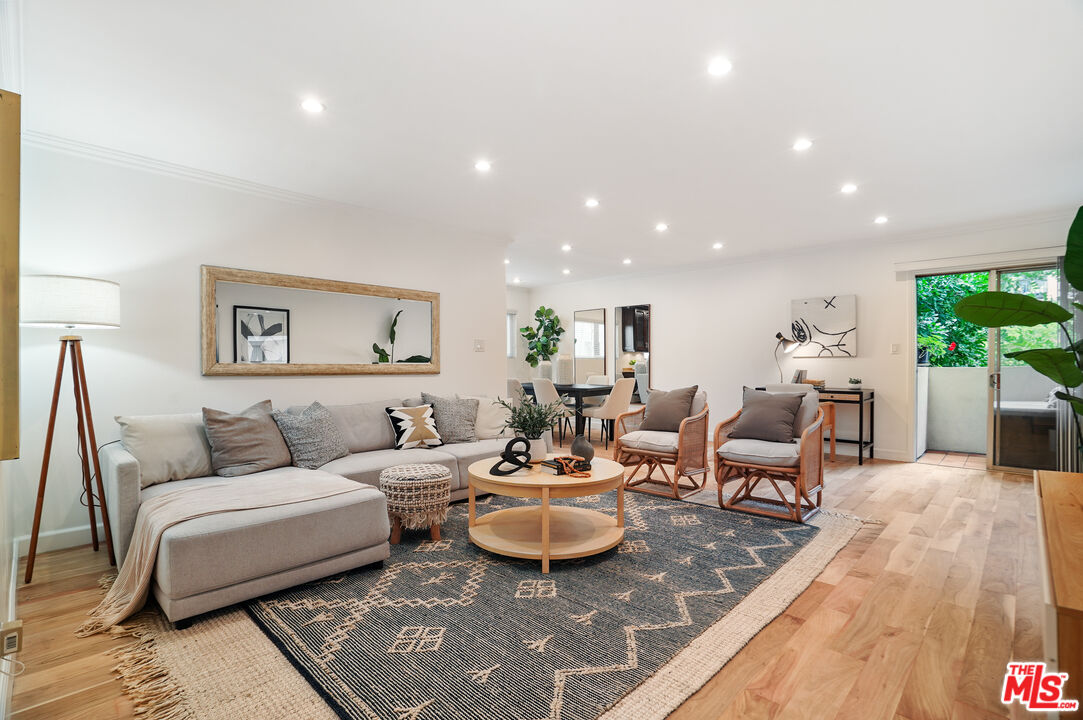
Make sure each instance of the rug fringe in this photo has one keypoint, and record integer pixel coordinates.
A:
(146, 681)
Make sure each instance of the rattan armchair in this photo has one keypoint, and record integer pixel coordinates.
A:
(800, 465)
(685, 451)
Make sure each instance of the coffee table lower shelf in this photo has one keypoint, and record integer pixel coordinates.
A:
(573, 532)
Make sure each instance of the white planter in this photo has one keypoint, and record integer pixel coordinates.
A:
(538, 450)
(544, 370)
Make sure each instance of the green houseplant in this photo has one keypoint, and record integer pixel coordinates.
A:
(542, 340)
(530, 420)
(1062, 365)
(383, 356)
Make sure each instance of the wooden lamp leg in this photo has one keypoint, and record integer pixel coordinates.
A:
(83, 455)
(45, 463)
(77, 349)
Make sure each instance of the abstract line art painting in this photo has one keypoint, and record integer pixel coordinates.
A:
(825, 326)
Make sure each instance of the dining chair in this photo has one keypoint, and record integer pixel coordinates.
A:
(545, 393)
(515, 391)
(595, 380)
(616, 404)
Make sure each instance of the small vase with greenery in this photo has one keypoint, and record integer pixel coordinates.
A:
(530, 420)
(543, 340)
(1063, 365)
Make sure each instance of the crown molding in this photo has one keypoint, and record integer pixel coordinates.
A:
(147, 164)
(11, 45)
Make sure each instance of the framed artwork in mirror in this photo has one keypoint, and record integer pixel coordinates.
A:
(261, 335)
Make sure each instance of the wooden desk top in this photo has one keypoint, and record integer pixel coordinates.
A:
(1062, 507)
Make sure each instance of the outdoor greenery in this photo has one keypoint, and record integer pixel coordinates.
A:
(949, 340)
(1024, 311)
(543, 340)
(528, 418)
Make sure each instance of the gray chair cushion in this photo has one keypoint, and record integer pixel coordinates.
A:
(364, 426)
(223, 549)
(312, 436)
(666, 409)
(810, 403)
(653, 440)
(761, 452)
(767, 416)
(244, 442)
(366, 467)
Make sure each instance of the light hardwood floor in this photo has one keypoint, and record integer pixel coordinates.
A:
(914, 620)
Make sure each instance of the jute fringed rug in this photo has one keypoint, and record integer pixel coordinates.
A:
(445, 630)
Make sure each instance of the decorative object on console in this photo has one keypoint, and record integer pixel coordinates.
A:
(417, 497)
(798, 375)
(61, 301)
(787, 346)
(518, 459)
(312, 436)
(261, 335)
(456, 418)
(825, 326)
(246, 442)
(544, 339)
(414, 427)
(855, 383)
(581, 447)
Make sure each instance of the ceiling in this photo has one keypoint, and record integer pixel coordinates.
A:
(942, 112)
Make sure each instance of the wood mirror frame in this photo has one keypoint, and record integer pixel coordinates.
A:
(211, 275)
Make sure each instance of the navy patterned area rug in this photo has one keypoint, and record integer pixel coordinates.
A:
(447, 630)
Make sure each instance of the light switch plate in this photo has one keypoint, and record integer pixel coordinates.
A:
(894, 348)
(11, 637)
(479, 346)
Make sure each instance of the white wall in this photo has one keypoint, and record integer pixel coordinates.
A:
(151, 232)
(518, 301)
(715, 326)
(958, 409)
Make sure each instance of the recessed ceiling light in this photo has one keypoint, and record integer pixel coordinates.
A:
(802, 144)
(591, 202)
(627, 261)
(566, 247)
(717, 246)
(848, 189)
(507, 262)
(515, 280)
(483, 166)
(313, 105)
(566, 271)
(880, 219)
(661, 227)
(719, 66)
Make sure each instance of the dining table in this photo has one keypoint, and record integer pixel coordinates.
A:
(576, 391)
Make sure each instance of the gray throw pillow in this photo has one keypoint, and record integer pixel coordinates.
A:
(455, 417)
(767, 416)
(666, 409)
(312, 435)
(245, 442)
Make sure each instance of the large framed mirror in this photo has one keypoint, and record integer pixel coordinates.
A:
(632, 345)
(588, 356)
(257, 323)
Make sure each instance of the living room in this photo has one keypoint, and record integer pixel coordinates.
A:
(713, 164)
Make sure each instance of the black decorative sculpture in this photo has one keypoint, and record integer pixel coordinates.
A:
(518, 459)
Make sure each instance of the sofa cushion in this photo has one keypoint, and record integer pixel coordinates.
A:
(652, 440)
(366, 467)
(245, 442)
(767, 416)
(466, 454)
(223, 549)
(761, 452)
(666, 409)
(312, 436)
(168, 447)
(455, 417)
(364, 425)
(491, 419)
(414, 427)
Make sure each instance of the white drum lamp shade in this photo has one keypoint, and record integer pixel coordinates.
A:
(68, 302)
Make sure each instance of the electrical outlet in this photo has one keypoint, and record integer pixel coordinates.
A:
(11, 637)
(894, 348)
(479, 346)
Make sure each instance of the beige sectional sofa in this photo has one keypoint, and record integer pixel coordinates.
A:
(217, 560)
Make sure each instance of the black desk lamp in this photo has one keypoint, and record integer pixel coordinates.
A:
(788, 346)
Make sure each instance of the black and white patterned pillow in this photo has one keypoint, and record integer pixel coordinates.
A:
(455, 417)
(312, 436)
(414, 427)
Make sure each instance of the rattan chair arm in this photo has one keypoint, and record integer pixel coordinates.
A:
(721, 432)
(621, 426)
(811, 450)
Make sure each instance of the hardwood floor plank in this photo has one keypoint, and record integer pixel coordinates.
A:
(929, 693)
(878, 688)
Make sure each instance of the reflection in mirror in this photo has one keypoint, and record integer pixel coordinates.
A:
(269, 324)
(632, 340)
(589, 334)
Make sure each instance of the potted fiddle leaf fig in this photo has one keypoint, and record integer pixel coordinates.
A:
(1062, 365)
(543, 340)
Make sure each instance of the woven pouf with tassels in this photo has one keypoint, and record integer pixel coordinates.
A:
(417, 497)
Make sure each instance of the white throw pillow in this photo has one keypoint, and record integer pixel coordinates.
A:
(168, 447)
(490, 420)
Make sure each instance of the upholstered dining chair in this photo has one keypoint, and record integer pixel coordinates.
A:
(515, 390)
(796, 464)
(545, 392)
(595, 380)
(616, 404)
(684, 451)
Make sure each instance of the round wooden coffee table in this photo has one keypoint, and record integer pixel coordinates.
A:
(544, 532)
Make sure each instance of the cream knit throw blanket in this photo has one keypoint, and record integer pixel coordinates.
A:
(129, 591)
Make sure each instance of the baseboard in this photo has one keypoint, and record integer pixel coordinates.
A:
(61, 539)
(851, 451)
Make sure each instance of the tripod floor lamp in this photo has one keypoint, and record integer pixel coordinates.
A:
(61, 301)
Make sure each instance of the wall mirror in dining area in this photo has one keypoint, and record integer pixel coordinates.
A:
(257, 323)
(589, 338)
(632, 345)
